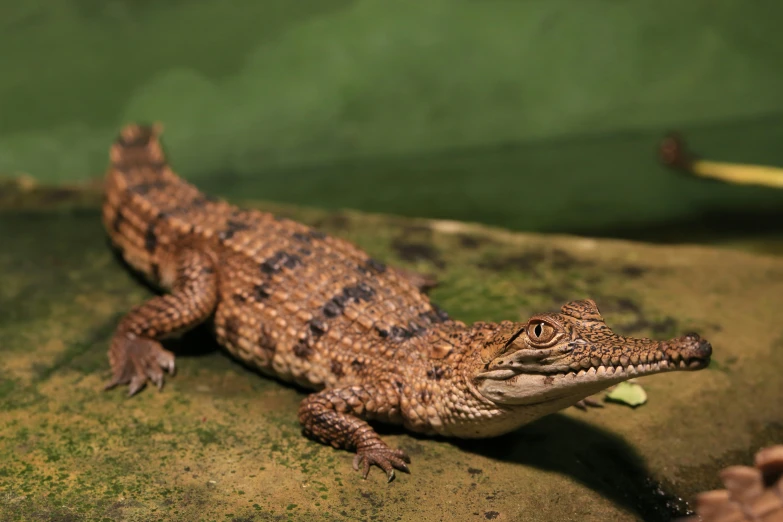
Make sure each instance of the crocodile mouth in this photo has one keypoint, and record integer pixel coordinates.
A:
(632, 370)
(603, 371)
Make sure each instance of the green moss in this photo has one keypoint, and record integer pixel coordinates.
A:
(220, 440)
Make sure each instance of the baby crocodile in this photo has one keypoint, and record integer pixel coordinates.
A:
(316, 310)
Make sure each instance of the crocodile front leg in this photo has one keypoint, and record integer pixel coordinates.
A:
(136, 354)
(334, 417)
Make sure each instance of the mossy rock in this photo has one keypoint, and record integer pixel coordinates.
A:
(221, 442)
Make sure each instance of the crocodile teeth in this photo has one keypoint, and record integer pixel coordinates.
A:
(591, 371)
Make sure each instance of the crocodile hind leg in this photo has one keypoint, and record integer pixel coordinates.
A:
(136, 354)
(333, 417)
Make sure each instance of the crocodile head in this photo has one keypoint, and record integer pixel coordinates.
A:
(561, 358)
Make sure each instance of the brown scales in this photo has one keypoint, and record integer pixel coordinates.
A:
(315, 310)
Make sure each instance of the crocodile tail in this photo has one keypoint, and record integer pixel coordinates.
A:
(137, 155)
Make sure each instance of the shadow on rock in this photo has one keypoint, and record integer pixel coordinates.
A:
(598, 459)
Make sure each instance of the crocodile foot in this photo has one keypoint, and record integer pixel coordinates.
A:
(384, 457)
(136, 360)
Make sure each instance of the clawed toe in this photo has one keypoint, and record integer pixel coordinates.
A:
(385, 458)
(588, 402)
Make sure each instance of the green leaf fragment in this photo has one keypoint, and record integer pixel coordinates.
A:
(628, 393)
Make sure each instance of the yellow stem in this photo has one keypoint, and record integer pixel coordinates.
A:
(739, 173)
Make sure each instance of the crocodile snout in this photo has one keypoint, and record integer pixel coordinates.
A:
(693, 350)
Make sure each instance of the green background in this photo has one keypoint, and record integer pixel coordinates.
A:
(536, 115)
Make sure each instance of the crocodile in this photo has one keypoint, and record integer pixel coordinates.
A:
(364, 337)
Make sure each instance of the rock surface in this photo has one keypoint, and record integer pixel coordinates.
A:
(222, 443)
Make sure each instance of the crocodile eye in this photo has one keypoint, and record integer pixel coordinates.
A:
(540, 332)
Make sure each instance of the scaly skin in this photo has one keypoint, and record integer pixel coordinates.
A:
(315, 310)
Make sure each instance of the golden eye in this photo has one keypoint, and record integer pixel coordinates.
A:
(540, 332)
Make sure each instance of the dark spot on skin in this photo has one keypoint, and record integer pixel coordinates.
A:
(548, 380)
(238, 298)
(332, 309)
(340, 299)
(434, 316)
(382, 332)
(150, 238)
(425, 396)
(317, 234)
(491, 515)
(398, 333)
(304, 238)
(398, 385)
(337, 368)
(280, 260)
(372, 267)
(261, 292)
(303, 350)
(415, 328)
(146, 187)
(356, 364)
(413, 252)
(118, 220)
(475, 471)
(232, 227)
(358, 293)
(155, 269)
(305, 251)
(435, 373)
(318, 327)
(208, 270)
